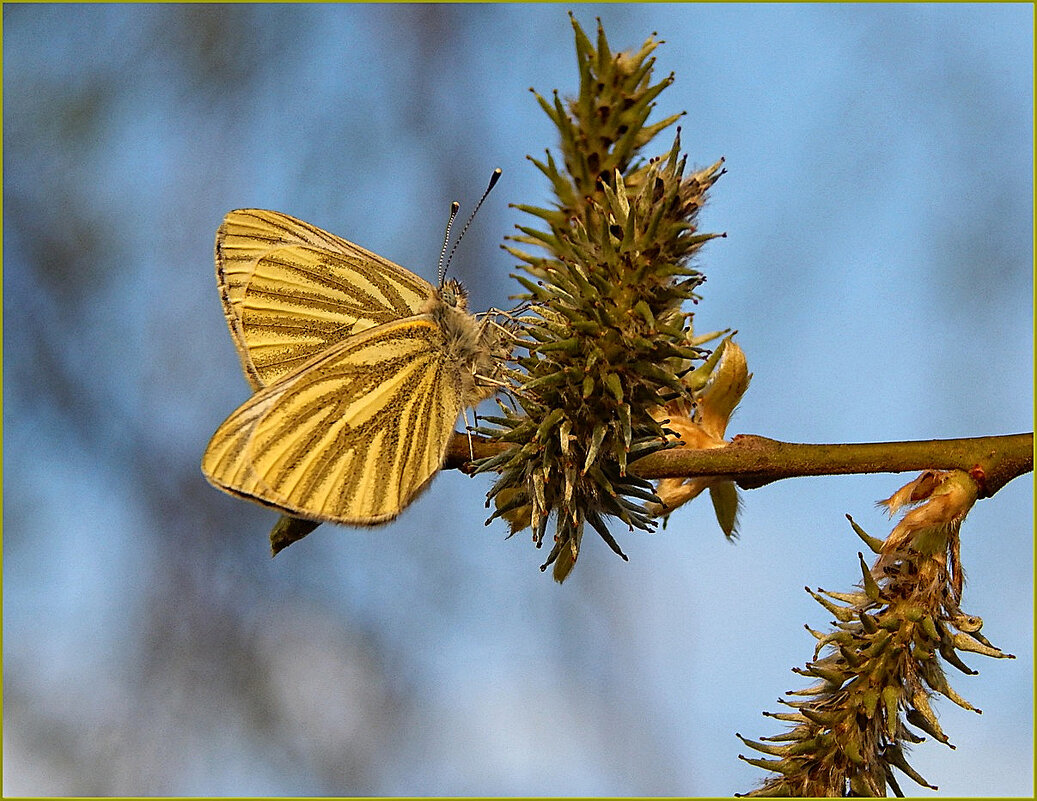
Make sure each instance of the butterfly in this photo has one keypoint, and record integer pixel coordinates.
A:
(359, 368)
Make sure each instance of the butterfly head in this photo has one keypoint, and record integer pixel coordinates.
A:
(454, 294)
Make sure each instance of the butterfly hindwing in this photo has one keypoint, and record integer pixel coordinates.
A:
(350, 437)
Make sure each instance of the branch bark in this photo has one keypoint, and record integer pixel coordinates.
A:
(753, 461)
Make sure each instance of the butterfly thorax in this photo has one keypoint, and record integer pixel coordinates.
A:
(473, 344)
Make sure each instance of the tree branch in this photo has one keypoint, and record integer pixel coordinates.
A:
(753, 461)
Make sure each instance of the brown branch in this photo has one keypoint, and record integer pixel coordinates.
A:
(753, 461)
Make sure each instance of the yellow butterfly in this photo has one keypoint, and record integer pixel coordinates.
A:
(360, 369)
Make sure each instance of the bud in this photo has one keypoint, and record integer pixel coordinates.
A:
(702, 424)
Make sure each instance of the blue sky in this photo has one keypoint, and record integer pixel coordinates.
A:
(878, 268)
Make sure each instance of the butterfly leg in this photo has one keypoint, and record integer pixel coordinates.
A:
(468, 430)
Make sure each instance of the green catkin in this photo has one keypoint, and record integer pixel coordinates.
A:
(880, 674)
(607, 339)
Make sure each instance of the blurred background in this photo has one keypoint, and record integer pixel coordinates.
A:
(878, 266)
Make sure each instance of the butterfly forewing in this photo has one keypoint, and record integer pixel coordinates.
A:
(350, 437)
(290, 290)
(301, 301)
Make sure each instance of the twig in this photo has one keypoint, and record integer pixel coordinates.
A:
(753, 461)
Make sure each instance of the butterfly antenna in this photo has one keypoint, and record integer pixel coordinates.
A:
(493, 182)
(454, 208)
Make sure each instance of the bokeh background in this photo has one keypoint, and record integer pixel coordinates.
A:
(878, 266)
